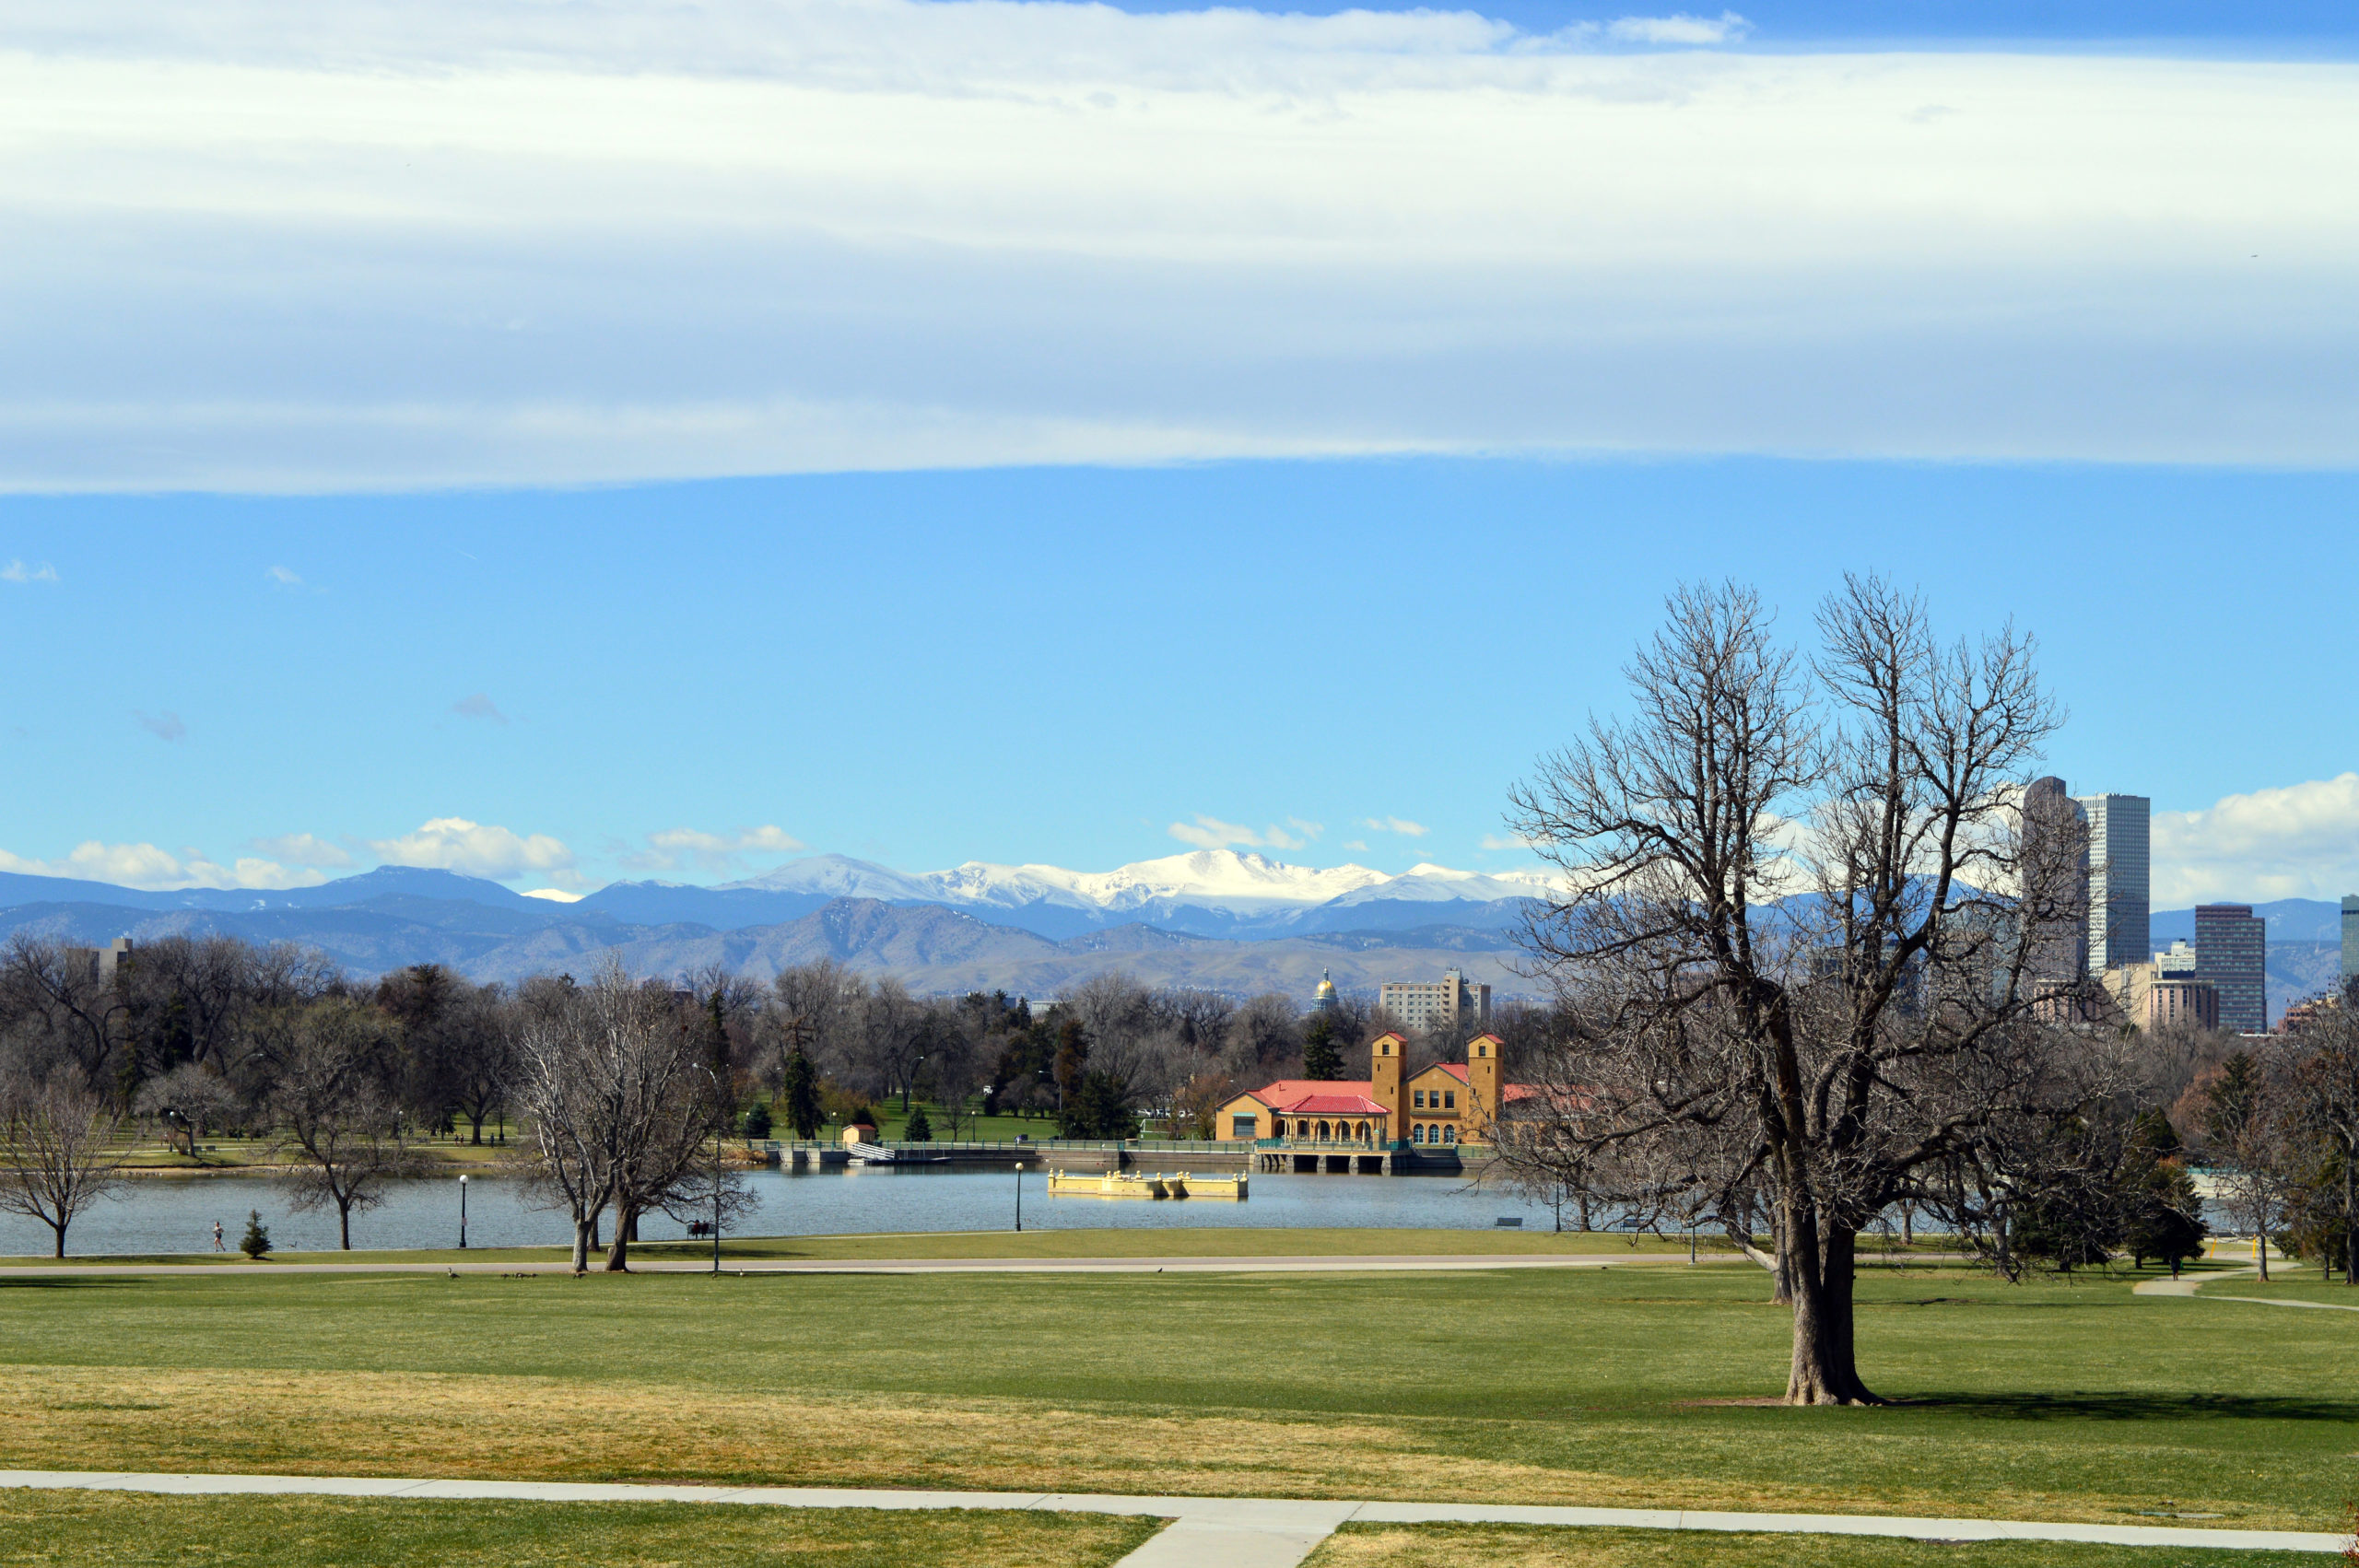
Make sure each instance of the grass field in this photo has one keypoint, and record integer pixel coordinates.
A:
(1175, 1242)
(1507, 1546)
(1619, 1387)
(127, 1530)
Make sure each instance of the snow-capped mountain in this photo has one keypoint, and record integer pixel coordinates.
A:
(1208, 892)
(1210, 878)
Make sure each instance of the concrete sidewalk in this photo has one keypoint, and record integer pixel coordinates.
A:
(1206, 1532)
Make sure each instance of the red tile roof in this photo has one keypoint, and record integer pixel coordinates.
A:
(1334, 1104)
(1295, 1088)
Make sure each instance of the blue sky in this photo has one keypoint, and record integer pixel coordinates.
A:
(658, 438)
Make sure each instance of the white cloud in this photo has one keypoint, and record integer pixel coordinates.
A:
(1267, 234)
(454, 844)
(303, 850)
(164, 726)
(1679, 29)
(1211, 833)
(478, 705)
(1355, 843)
(282, 578)
(145, 866)
(668, 849)
(1401, 826)
(1508, 841)
(2300, 841)
(16, 571)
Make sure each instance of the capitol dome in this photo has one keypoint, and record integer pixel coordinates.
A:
(1323, 999)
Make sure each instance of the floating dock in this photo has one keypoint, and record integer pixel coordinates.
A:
(1135, 1184)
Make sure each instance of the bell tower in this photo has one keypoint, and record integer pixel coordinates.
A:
(1482, 1086)
(1387, 1057)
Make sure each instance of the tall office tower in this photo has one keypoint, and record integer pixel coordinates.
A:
(2117, 880)
(2231, 954)
(2056, 874)
(2350, 937)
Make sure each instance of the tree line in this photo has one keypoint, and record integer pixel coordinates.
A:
(620, 1087)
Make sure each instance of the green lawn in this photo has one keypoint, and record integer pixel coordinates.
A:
(1190, 1242)
(1510, 1546)
(1619, 1387)
(129, 1530)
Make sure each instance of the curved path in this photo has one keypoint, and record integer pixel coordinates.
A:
(1206, 1532)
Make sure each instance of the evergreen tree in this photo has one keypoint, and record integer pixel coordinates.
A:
(1321, 1058)
(802, 1094)
(919, 1130)
(256, 1241)
(1072, 1052)
(757, 1121)
(1097, 1108)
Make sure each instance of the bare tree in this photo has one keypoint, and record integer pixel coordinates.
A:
(2246, 1117)
(332, 1089)
(62, 1153)
(190, 1101)
(1793, 938)
(58, 994)
(2326, 1085)
(622, 1101)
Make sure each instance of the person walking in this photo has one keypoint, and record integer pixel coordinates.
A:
(217, 1235)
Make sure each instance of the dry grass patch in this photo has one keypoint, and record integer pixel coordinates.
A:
(1513, 1546)
(545, 1429)
(132, 1530)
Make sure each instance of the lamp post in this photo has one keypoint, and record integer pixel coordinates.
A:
(463, 1213)
(1019, 1190)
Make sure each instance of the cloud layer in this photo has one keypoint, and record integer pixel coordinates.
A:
(2301, 841)
(291, 246)
(454, 844)
(712, 853)
(145, 866)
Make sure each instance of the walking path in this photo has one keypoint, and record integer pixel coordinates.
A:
(1206, 1532)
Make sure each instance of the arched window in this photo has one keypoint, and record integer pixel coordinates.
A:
(1322, 1132)
(1277, 1127)
(1449, 1135)
(1418, 1133)
(1363, 1132)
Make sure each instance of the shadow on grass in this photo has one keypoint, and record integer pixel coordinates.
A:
(2134, 1406)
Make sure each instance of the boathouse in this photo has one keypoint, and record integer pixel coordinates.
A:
(1446, 1104)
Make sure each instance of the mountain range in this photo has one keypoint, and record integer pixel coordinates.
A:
(1233, 923)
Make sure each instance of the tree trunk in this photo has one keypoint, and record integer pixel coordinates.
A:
(618, 1256)
(59, 1226)
(2350, 1217)
(344, 1223)
(582, 1242)
(1824, 1369)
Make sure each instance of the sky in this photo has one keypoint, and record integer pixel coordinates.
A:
(567, 441)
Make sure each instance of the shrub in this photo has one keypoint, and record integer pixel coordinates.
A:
(256, 1241)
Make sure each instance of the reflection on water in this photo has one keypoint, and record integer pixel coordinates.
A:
(177, 1213)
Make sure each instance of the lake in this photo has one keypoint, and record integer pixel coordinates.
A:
(177, 1213)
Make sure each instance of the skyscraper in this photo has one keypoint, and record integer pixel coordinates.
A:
(2350, 937)
(2056, 874)
(2119, 884)
(2232, 956)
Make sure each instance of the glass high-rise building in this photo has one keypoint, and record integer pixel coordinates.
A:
(2231, 954)
(2120, 884)
(2056, 858)
(2350, 937)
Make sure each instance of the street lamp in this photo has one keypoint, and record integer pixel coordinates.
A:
(463, 1213)
(1019, 1190)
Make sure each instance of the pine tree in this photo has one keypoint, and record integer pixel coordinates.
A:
(256, 1241)
(918, 1129)
(802, 1094)
(1320, 1059)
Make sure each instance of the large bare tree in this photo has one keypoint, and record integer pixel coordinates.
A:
(622, 1100)
(1791, 944)
(63, 1150)
(333, 1064)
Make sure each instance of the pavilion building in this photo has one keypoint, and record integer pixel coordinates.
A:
(1446, 1104)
